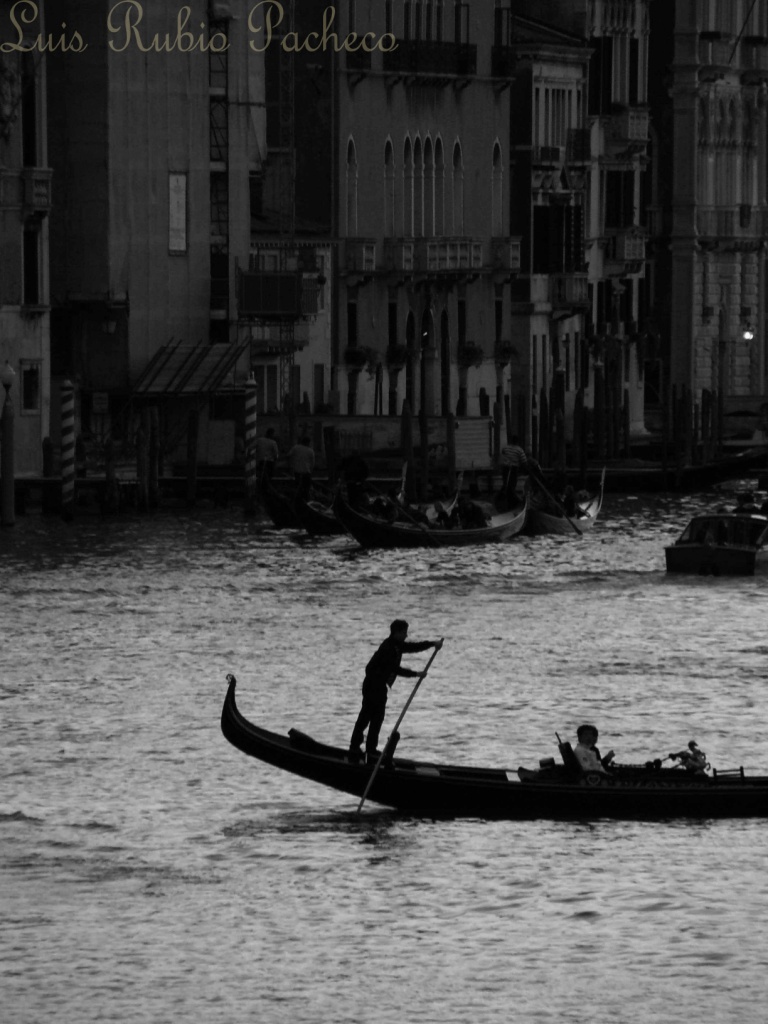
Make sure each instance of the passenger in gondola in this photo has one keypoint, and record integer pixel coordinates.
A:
(746, 504)
(380, 674)
(445, 520)
(569, 502)
(693, 759)
(471, 516)
(587, 753)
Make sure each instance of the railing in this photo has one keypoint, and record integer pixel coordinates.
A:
(446, 255)
(399, 254)
(37, 188)
(630, 125)
(568, 290)
(505, 253)
(360, 255)
(626, 248)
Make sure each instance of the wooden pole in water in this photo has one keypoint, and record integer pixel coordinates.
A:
(67, 451)
(142, 462)
(7, 469)
(154, 457)
(251, 483)
(192, 430)
(406, 444)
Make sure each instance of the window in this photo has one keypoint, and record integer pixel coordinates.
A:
(497, 194)
(429, 190)
(351, 189)
(458, 191)
(389, 190)
(439, 188)
(30, 387)
(31, 263)
(418, 189)
(407, 189)
(619, 199)
(177, 213)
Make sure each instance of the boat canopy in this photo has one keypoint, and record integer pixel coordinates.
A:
(734, 530)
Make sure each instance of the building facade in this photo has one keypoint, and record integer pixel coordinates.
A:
(25, 205)
(709, 201)
(155, 143)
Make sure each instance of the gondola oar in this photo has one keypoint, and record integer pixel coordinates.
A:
(392, 735)
(556, 503)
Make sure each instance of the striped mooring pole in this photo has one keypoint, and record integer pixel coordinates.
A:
(67, 450)
(251, 483)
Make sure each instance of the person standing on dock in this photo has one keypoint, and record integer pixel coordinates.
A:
(301, 462)
(380, 673)
(266, 453)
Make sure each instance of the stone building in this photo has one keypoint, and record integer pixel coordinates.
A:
(710, 177)
(25, 204)
(156, 134)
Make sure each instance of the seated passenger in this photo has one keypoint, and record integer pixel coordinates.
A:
(587, 753)
(692, 759)
(569, 502)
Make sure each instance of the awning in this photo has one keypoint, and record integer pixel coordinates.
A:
(183, 369)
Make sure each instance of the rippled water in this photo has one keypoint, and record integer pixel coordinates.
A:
(152, 873)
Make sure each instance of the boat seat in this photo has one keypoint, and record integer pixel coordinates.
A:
(570, 760)
(728, 773)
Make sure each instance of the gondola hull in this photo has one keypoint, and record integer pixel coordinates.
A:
(433, 790)
(373, 532)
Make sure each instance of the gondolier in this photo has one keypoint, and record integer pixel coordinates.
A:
(380, 673)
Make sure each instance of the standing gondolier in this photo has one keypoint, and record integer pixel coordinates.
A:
(513, 461)
(380, 673)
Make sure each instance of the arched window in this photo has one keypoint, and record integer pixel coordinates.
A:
(389, 190)
(351, 189)
(407, 189)
(429, 189)
(418, 189)
(410, 341)
(439, 22)
(445, 366)
(429, 19)
(352, 15)
(407, 4)
(458, 191)
(497, 194)
(439, 188)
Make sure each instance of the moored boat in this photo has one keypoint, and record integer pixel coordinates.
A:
(317, 518)
(406, 531)
(721, 544)
(544, 518)
(553, 791)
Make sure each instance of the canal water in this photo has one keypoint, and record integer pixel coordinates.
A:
(149, 872)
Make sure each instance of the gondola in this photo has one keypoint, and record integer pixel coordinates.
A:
(559, 791)
(317, 518)
(721, 544)
(290, 512)
(374, 531)
(279, 507)
(542, 518)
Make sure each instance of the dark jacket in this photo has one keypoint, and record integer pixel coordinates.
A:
(384, 666)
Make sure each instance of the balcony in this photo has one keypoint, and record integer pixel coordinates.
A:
(505, 255)
(36, 185)
(399, 255)
(359, 256)
(357, 61)
(445, 256)
(270, 296)
(441, 63)
(569, 291)
(629, 125)
(626, 247)
(754, 60)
